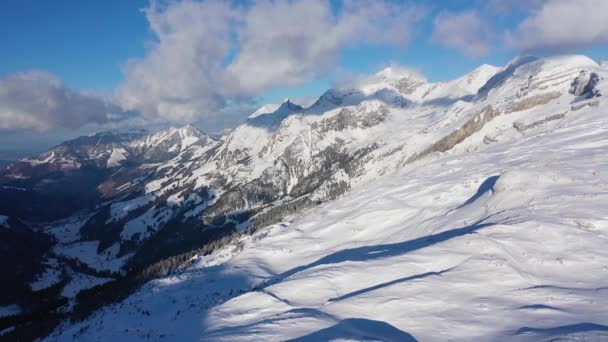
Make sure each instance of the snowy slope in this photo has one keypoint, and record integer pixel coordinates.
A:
(4, 221)
(265, 109)
(484, 219)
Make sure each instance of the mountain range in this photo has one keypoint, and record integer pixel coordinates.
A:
(359, 216)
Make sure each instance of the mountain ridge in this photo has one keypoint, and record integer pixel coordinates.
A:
(296, 158)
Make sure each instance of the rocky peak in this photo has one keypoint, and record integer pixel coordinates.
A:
(271, 115)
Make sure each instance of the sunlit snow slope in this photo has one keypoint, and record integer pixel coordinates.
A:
(501, 237)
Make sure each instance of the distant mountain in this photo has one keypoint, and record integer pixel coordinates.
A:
(136, 206)
(74, 171)
(106, 150)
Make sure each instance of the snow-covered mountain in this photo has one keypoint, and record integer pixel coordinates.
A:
(451, 194)
(107, 150)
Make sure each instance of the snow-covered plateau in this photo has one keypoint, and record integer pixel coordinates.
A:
(482, 216)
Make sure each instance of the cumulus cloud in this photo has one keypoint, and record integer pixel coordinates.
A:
(289, 42)
(209, 55)
(465, 31)
(40, 101)
(562, 25)
(181, 74)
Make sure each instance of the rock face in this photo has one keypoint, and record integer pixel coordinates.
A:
(585, 84)
(520, 126)
(475, 124)
(533, 101)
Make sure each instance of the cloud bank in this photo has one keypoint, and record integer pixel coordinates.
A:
(208, 55)
(40, 101)
(465, 32)
(563, 25)
(210, 60)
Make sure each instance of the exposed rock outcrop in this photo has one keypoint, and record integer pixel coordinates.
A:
(533, 101)
(585, 84)
(474, 124)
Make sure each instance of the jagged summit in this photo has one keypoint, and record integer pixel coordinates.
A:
(271, 115)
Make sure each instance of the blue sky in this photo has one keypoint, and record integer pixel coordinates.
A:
(83, 48)
(86, 43)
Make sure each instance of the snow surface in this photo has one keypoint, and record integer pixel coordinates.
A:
(185, 137)
(4, 221)
(120, 210)
(144, 225)
(69, 244)
(501, 238)
(265, 109)
(7, 330)
(272, 108)
(80, 282)
(67, 230)
(48, 278)
(116, 157)
(9, 310)
(87, 253)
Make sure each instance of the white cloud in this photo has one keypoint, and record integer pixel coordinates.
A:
(211, 54)
(285, 43)
(464, 31)
(562, 25)
(40, 101)
(181, 74)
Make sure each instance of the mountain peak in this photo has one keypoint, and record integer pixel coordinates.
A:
(478, 77)
(288, 105)
(265, 109)
(284, 108)
(520, 60)
(396, 73)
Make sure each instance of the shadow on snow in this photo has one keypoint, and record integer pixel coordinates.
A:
(358, 329)
(368, 253)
